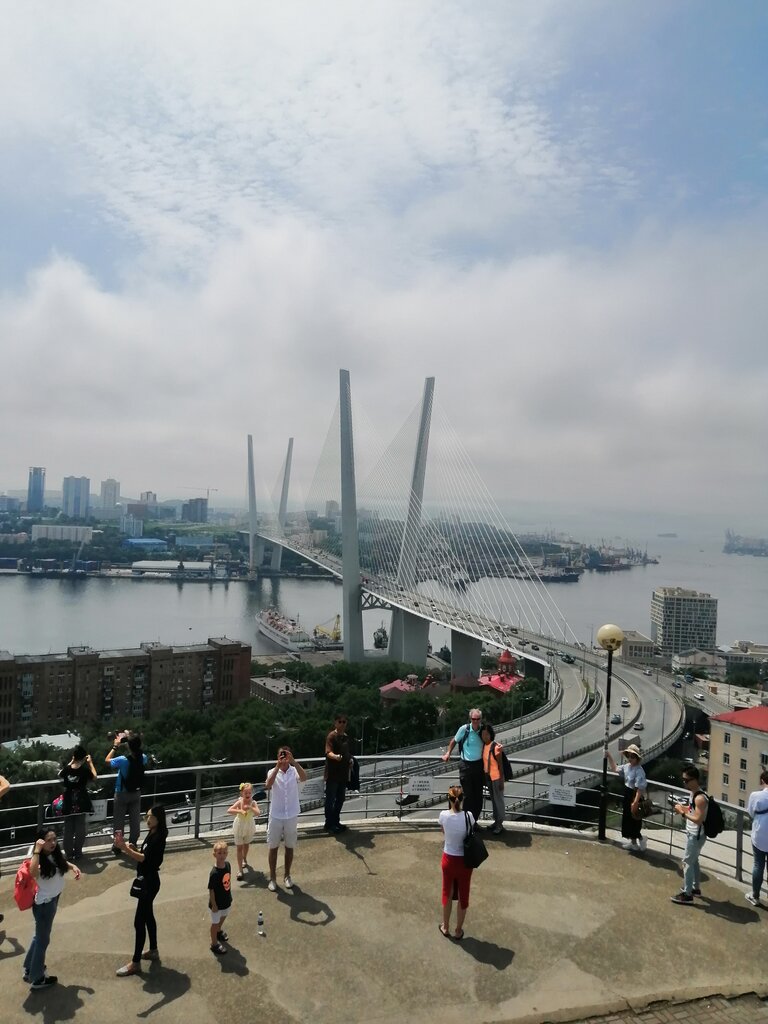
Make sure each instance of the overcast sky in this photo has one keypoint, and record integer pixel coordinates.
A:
(557, 209)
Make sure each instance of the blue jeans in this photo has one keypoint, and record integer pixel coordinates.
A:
(758, 870)
(691, 869)
(34, 961)
(335, 792)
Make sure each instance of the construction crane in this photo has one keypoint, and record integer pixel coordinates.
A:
(206, 489)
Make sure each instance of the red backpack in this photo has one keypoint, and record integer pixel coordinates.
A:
(24, 888)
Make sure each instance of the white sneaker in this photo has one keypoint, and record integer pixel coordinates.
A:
(751, 899)
(271, 885)
(643, 844)
(288, 883)
(628, 845)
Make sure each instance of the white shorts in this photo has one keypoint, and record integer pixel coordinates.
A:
(217, 916)
(285, 829)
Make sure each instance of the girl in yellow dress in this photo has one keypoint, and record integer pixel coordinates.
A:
(245, 810)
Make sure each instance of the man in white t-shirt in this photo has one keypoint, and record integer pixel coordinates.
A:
(757, 809)
(282, 784)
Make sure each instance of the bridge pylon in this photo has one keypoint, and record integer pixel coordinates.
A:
(255, 543)
(352, 613)
(277, 549)
(409, 635)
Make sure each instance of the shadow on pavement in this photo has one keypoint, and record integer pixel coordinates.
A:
(60, 1002)
(233, 961)
(17, 950)
(167, 983)
(487, 952)
(304, 908)
(355, 841)
(729, 911)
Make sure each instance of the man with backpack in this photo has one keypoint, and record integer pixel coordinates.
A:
(695, 814)
(130, 775)
(471, 773)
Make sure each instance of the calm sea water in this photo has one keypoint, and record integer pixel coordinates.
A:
(38, 615)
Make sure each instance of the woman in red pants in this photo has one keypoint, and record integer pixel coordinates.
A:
(456, 875)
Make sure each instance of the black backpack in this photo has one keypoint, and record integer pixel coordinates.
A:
(506, 766)
(713, 823)
(134, 774)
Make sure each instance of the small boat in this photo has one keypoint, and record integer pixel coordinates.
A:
(381, 638)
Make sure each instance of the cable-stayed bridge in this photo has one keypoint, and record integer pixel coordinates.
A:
(420, 536)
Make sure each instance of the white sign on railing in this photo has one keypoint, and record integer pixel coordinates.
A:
(564, 795)
(99, 812)
(312, 789)
(419, 785)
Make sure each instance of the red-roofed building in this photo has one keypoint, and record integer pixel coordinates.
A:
(738, 752)
(506, 677)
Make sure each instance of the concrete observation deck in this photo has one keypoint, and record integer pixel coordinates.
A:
(559, 928)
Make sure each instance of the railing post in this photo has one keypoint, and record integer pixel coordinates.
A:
(198, 797)
(739, 846)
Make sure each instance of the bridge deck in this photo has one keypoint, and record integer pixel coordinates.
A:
(558, 928)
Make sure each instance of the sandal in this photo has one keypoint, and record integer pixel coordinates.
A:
(444, 931)
(458, 936)
(218, 949)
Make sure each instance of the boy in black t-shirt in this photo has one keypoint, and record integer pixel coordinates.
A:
(219, 896)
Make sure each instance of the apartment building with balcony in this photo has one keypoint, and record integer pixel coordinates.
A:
(46, 692)
(738, 752)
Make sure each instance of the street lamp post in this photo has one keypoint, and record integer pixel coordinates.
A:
(610, 638)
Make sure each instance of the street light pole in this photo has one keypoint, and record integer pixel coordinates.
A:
(610, 638)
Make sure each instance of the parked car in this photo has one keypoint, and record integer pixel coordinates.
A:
(185, 814)
(639, 726)
(625, 702)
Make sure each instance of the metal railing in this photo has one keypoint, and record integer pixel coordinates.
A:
(392, 787)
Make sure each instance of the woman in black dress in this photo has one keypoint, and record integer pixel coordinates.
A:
(148, 860)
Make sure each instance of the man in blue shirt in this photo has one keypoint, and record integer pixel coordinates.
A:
(130, 774)
(471, 768)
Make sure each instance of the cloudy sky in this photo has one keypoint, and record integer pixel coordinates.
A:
(557, 209)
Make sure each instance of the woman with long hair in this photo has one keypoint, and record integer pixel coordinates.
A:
(75, 775)
(456, 875)
(245, 810)
(148, 860)
(48, 866)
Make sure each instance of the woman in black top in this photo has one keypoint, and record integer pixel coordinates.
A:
(148, 860)
(76, 775)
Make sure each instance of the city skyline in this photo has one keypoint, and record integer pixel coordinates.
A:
(558, 210)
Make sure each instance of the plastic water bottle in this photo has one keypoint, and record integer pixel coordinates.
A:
(260, 922)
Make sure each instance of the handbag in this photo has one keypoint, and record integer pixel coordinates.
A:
(474, 847)
(137, 887)
(645, 808)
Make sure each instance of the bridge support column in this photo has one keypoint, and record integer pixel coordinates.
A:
(351, 602)
(277, 551)
(255, 543)
(466, 652)
(408, 638)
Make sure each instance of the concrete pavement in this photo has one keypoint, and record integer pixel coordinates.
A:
(559, 928)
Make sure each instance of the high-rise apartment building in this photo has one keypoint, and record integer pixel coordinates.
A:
(48, 692)
(148, 497)
(683, 619)
(36, 489)
(76, 496)
(110, 493)
(195, 511)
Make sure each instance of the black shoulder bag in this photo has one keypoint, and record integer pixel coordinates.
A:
(474, 847)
